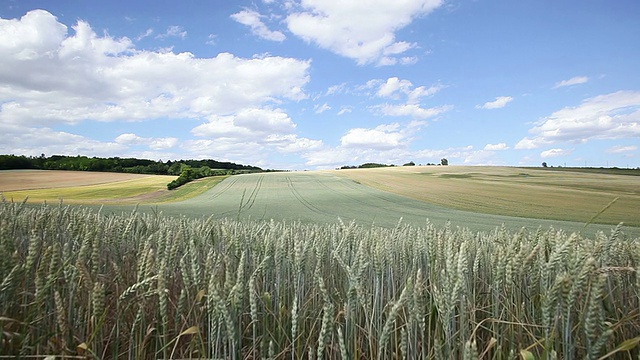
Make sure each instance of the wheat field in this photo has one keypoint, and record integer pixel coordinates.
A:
(75, 282)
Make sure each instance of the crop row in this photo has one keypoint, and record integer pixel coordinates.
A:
(76, 282)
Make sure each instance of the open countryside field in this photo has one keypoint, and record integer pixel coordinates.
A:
(97, 188)
(524, 192)
(212, 283)
(326, 197)
(480, 198)
(81, 187)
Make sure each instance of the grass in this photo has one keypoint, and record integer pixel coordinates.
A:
(75, 282)
(524, 192)
(74, 187)
(126, 191)
(479, 198)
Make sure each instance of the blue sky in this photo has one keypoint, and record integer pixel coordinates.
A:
(313, 84)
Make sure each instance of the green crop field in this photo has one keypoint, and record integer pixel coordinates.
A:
(83, 285)
(570, 195)
(326, 197)
(480, 198)
(375, 264)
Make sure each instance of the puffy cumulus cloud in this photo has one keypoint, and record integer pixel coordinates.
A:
(360, 30)
(496, 147)
(247, 124)
(555, 153)
(573, 81)
(410, 96)
(385, 136)
(35, 141)
(153, 143)
(609, 116)
(253, 19)
(394, 87)
(381, 137)
(499, 102)
(292, 143)
(226, 149)
(50, 76)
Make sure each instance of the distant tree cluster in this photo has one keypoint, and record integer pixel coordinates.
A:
(443, 161)
(186, 170)
(113, 164)
(188, 174)
(366, 166)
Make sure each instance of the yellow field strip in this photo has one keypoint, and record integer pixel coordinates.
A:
(574, 196)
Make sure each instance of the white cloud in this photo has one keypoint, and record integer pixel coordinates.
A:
(146, 34)
(292, 143)
(153, 143)
(344, 110)
(385, 136)
(53, 77)
(408, 60)
(212, 39)
(253, 20)
(395, 88)
(412, 110)
(381, 137)
(336, 89)
(360, 30)
(621, 149)
(319, 109)
(499, 102)
(496, 147)
(527, 143)
(35, 141)
(247, 124)
(609, 116)
(555, 153)
(173, 31)
(573, 81)
(393, 85)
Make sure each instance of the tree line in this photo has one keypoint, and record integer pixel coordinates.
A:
(186, 170)
(114, 164)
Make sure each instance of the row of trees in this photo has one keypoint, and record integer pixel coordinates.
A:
(186, 170)
(443, 161)
(189, 173)
(115, 164)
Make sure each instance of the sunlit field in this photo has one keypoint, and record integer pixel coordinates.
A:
(525, 192)
(480, 198)
(321, 265)
(79, 283)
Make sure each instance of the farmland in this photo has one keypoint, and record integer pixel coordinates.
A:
(524, 192)
(294, 265)
(79, 283)
(480, 198)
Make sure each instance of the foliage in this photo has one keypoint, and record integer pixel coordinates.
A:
(113, 164)
(410, 163)
(444, 161)
(76, 282)
(367, 166)
(189, 174)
